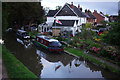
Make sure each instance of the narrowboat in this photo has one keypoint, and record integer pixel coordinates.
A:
(50, 44)
(27, 43)
(22, 34)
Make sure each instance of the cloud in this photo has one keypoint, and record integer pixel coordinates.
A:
(102, 5)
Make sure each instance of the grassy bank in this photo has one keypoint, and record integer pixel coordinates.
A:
(15, 69)
(101, 64)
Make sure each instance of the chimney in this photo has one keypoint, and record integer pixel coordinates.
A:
(81, 8)
(101, 13)
(72, 5)
(95, 11)
(88, 11)
(85, 10)
(78, 6)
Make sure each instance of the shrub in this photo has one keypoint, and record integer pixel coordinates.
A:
(112, 37)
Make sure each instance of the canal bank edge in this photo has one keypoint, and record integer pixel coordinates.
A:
(104, 65)
(15, 69)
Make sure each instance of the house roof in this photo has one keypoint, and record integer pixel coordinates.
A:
(51, 13)
(98, 14)
(90, 15)
(77, 11)
(72, 12)
(69, 23)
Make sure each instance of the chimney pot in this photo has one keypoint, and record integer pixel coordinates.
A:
(78, 6)
(95, 10)
(72, 5)
(81, 9)
(85, 10)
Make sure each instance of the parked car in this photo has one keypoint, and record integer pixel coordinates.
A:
(22, 34)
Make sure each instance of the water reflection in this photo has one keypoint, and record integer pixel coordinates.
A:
(26, 43)
(27, 56)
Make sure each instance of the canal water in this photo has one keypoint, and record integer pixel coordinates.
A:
(53, 65)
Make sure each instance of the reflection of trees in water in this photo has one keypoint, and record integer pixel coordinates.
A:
(105, 73)
(27, 56)
(109, 75)
(92, 67)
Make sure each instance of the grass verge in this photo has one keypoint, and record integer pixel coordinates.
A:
(81, 53)
(15, 69)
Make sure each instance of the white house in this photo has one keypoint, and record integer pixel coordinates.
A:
(69, 15)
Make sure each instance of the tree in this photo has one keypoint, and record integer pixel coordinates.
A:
(46, 10)
(86, 31)
(4, 17)
(24, 11)
(107, 15)
(104, 23)
(113, 36)
(58, 7)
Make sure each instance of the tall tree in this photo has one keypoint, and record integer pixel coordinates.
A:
(4, 17)
(19, 12)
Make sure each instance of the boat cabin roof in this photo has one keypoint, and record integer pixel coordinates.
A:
(48, 38)
(21, 31)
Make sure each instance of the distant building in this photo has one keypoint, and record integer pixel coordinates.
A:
(90, 17)
(100, 17)
(113, 18)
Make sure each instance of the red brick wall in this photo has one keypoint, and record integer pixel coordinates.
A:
(98, 17)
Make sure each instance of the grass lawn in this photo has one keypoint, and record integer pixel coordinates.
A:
(78, 53)
(15, 69)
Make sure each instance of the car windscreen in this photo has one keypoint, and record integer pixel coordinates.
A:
(55, 43)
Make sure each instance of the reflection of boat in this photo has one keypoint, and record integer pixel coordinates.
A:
(22, 34)
(48, 43)
(26, 43)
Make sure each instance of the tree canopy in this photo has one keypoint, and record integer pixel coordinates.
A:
(22, 13)
(58, 7)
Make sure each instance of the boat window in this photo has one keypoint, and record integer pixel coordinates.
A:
(37, 39)
(44, 42)
(41, 41)
(55, 44)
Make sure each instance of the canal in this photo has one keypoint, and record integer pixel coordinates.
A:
(53, 65)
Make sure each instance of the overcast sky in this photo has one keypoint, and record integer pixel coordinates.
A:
(106, 6)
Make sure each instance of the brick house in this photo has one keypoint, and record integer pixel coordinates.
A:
(100, 17)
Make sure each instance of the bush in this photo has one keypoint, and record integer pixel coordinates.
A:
(113, 36)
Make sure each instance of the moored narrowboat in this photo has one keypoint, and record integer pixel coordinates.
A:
(50, 44)
(22, 34)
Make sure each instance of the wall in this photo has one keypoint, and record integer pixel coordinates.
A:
(50, 19)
